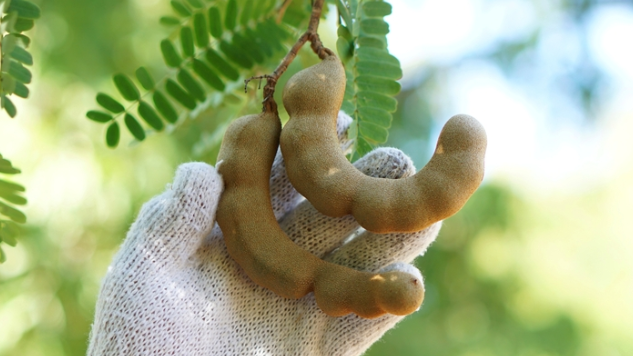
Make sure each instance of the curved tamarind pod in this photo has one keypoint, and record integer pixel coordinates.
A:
(320, 172)
(257, 243)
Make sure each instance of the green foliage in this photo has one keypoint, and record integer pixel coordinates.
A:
(10, 194)
(372, 72)
(213, 46)
(17, 16)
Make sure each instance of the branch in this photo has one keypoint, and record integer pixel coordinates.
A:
(317, 46)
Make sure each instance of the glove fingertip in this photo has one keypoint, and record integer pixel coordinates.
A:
(386, 162)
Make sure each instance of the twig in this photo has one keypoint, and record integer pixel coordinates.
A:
(317, 46)
(282, 10)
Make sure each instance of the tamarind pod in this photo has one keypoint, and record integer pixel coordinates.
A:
(320, 172)
(257, 243)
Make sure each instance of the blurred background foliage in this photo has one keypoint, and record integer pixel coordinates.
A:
(538, 263)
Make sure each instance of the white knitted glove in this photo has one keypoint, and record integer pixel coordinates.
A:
(172, 289)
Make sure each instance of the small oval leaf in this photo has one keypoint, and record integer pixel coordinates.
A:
(169, 21)
(108, 103)
(178, 93)
(236, 55)
(377, 84)
(376, 100)
(191, 85)
(222, 65)
(186, 41)
(362, 146)
(22, 55)
(12, 213)
(150, 116)
(376, 8)
(180, 8)
(143, 77)
(22, 24)
(376, 116)
(215, 22)
(170, 55)
(208, 75)
(25, 9)
(99, 116)
(164, 107)
(195, 3)
(379, 70)
(372, 41)
(134, 127)
(374, 26)
(230, 18)
(126, 87)
(200, 27)
(113, 134)
(372, 132)
(19, 72)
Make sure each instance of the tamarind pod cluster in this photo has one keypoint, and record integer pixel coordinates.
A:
(268, 256)
(318, 169)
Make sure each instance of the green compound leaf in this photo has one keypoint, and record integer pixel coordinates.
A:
(134, 127)
(8, 106)
(230, 18)
(143, 77)
(196, 4)
(191, 85)
(21, 55)
(150, 116)
(208, 75)
(178, 93)
(12, 213)
(215, 22)
(21, 90)
(376, 8)
(222, 65)
(373, 132)
(108, 103)
(22, 24)
(19, 72)
(25, 9)
(164, 107)
(249, 46)
(126, 87)
(377, 101)
(374, 27)
(377, 84)
(169, 21)
(186, 41)
(113, 134)
(362, 146)
(200, 29)
(345, 49)
(180, 8)
(170, 55)
(99, 116)
(236, 55)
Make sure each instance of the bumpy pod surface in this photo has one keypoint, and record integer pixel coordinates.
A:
(257, 243)
(318, 169)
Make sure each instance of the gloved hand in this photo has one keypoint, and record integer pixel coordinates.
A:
(172, 289)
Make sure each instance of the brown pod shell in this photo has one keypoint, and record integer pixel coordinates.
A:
(268, 256)
(319, 170)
